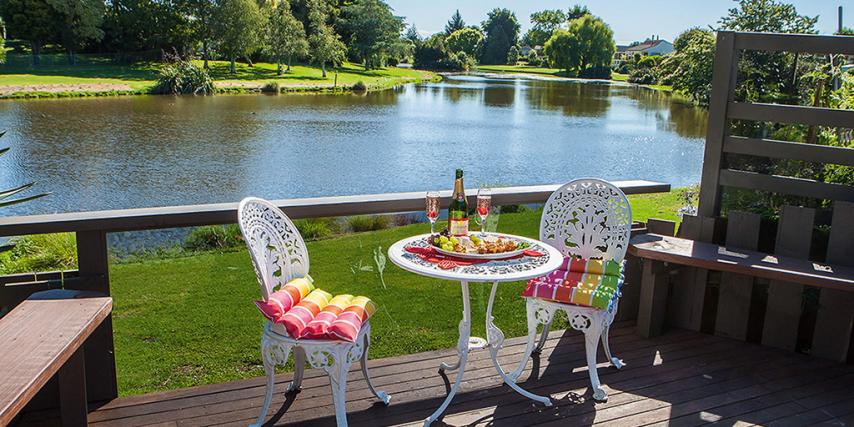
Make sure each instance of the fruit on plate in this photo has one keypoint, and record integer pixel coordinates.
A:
(474, 244)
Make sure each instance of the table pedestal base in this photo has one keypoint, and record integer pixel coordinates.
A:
(466, 343)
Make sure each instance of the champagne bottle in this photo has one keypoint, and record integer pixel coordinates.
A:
(458, 210)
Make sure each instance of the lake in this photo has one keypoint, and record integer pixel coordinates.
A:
(127, 152)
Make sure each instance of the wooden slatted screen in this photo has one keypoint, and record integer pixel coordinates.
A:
(724, 109)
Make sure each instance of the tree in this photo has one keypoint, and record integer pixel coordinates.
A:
(595, 41)
(577, 11)
(237, 29)
(689, 68)
(412, 35)
(140, 25)
(544, 24)
(563, 50)
(201, 15)
(502, 31)
(30, 20)
(767, 74)
(468, 40)
(285, 36)
(2, 50)
(513, 55)
(456, 23)
(79, 22)
(372, 30)
(430, 52)
(326, 47)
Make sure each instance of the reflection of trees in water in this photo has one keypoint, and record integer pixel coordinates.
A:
(573, 99)
(672, 115)
(499, 96)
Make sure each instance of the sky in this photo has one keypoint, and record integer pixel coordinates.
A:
(631, 20)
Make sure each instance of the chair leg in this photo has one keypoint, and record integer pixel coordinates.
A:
(614, 360)
(299, 370)
(591, 343)
(381, 395)
(531, 311)
(544, 336)
(271, 353)
(338, 380)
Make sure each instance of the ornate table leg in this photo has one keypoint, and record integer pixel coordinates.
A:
(496, 340)
(462, 350)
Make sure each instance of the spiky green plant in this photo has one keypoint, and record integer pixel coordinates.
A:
(6, 195)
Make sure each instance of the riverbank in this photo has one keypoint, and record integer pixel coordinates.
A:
(557, 73)
(108, 79)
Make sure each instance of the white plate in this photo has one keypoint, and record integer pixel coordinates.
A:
(501, 255)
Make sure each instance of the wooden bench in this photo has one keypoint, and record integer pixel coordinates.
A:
(43, 337)
(675, 278)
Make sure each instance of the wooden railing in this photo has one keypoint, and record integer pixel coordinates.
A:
(723, 110)
(91, 229)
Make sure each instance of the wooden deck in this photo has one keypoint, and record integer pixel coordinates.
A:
(682, 378)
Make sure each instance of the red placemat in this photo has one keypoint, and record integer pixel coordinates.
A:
(446, 262)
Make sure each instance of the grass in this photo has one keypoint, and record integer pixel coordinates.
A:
(189, 320)
(525, 69)
(140, 78)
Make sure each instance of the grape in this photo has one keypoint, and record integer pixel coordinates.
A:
(443, 240)
(454, 240)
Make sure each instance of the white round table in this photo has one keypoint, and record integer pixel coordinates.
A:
(497, 271)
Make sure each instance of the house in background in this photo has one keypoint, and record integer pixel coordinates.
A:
(649, 47)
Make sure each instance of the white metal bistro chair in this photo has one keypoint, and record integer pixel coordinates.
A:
(591, 219)
(279, 254)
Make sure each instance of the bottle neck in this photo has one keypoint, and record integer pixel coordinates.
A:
(459, 190)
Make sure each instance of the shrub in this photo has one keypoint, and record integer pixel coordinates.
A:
(360, 86)
(41, 252)
(643, 76)
(595, 73)
(271, 87)
(367, 222)
(514, 208)
(316, 228)
(181, 76)
(649, 61)
(513, 55)
(459, 61)
(405, 219)
(214, 237)
(533, 58)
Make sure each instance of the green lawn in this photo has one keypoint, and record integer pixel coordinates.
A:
(140, 77)
(190, 320)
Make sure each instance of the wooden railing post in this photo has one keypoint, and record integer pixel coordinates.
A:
(93, 265)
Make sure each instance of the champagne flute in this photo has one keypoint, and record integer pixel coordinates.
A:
(484, 203)
(432, 208)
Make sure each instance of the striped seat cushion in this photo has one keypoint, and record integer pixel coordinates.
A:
(298, 317)
(279, 302)
(588, 283)
(317, 329)
(348, 324)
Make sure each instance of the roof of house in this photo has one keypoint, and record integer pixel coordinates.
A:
(645, 45)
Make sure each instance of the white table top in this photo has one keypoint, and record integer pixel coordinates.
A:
(523, 268)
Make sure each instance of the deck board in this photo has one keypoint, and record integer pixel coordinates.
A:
(680, 378)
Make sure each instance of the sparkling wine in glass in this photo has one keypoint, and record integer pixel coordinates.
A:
(484, 203)
(432, 209)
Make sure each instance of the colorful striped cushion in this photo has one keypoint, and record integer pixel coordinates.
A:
(348, 324)
(589, 283)
(318, 327)
(298, 317)
(279, 302)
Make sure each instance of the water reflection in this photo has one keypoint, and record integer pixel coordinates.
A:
(153, 151)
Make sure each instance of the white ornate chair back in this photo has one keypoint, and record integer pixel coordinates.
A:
(588, 218)
(276, 246)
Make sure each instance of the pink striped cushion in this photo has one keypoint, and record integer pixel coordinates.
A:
(278, 303)
(348, 324)
(298, 318)
(317, 328)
